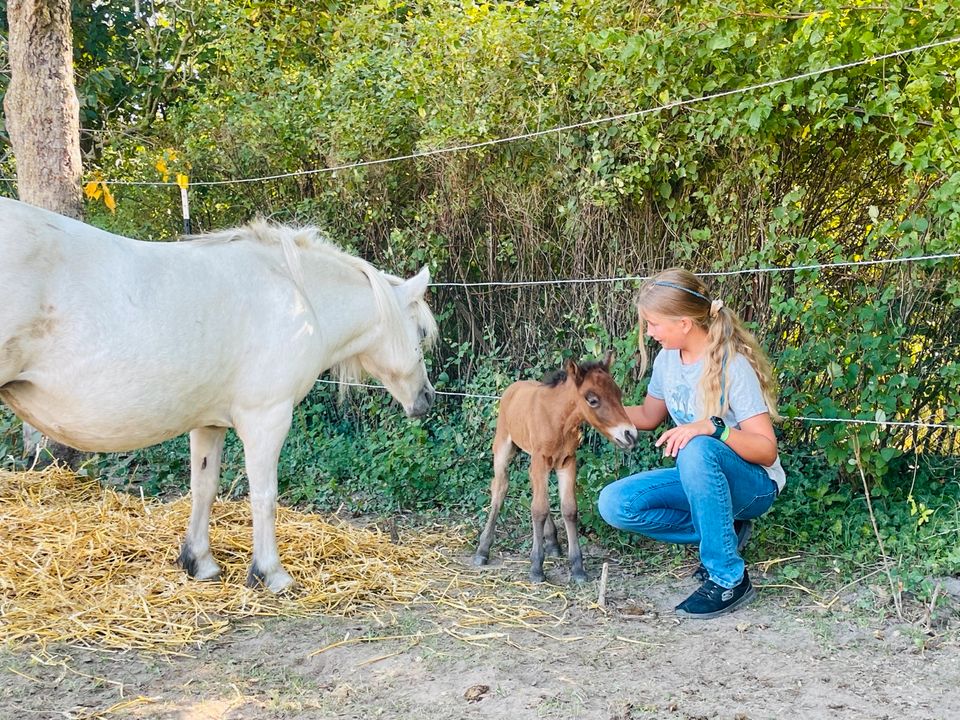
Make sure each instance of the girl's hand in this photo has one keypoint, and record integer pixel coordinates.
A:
(676, 438)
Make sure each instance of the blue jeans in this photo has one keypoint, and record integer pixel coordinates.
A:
(694, 502)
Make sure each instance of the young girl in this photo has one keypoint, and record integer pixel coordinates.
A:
(716, 384)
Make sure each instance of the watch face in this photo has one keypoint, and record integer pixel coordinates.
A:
(718, 422)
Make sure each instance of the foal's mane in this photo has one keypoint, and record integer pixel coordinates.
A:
(295, 240)
(558, 377)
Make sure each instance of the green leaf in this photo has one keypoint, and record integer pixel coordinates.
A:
(720, 42)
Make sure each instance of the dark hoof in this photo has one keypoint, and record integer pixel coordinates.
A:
(255, 577)
(480, 560)
(537, 577)
(187, 561)
(579, 577)
(553, 550)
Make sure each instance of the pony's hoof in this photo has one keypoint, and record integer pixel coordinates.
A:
(537, 577)
(276, 582)
(278, 586)
(579, 577)
(552, 550)
(198, 567)
(480, 560)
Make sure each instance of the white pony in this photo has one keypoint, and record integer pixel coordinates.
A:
(110, 344)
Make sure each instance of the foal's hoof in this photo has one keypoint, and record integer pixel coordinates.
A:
(552, 550)
(537, 577)
(579, 577)
(480, 560)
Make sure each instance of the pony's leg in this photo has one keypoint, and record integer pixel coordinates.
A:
(206, 447)
(567, 483)
(503, 452)
(551, 545)
(263, 434)
(539, 511)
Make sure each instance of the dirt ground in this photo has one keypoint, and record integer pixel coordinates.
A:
(781, 657)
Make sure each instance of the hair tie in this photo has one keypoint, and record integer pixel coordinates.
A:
(715, 307)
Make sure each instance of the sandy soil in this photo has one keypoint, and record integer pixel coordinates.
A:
(781, 657)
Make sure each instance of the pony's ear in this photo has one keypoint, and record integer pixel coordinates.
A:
(573, 371)
(608, 359)
(413, 289)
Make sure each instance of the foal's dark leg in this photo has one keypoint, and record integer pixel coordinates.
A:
(503, 452)
(551, 546)
(567, 482)
(539, 511)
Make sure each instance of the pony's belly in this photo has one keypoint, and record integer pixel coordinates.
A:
(91, 425)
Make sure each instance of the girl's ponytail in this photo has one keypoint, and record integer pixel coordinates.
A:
(726, 337)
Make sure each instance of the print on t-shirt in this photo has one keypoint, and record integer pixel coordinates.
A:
(681, 404)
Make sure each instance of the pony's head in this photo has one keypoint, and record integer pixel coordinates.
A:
(395, 356)
(600, 400)
(392, 347)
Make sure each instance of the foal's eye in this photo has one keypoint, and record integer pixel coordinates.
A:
(592, 400)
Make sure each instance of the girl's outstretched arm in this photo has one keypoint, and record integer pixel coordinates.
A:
(755, 441)
(649, 415)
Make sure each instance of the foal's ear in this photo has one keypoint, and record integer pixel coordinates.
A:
(413, 289)
(608, 359)
(573, 371)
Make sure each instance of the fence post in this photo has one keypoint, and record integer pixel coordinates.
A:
(183, 182)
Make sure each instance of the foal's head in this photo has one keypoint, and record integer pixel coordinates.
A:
(600, 400)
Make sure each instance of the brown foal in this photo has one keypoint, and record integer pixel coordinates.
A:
(544, 420)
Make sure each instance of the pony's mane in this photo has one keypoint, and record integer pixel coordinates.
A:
(293, 241)
(558, 377)
(267, 233)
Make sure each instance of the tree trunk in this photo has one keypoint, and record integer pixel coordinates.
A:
(43, 120)
(41, 106)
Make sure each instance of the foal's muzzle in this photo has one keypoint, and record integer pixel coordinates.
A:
(423, 402)
(625, 437)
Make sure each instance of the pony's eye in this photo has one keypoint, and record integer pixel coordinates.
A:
(592, 400)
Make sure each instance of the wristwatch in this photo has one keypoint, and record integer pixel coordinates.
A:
(720, 429)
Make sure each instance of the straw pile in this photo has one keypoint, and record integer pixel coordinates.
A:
(85, 565)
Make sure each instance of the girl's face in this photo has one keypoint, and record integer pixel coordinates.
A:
(670, 332)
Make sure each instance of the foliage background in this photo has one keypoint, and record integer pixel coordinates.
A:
(851, 165)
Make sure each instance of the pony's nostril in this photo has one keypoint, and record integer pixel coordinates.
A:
(428, 395)
(423, 402)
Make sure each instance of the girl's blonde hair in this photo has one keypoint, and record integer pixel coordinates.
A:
(677, 293)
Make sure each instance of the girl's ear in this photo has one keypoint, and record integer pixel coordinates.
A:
(686, 324)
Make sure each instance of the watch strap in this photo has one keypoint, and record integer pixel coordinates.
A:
(718, 427)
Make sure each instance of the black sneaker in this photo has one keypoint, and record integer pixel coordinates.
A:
(743, 529)
(712, 600)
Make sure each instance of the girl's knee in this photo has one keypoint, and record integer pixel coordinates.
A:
(608, 504)
(612, 504)
(699, 452)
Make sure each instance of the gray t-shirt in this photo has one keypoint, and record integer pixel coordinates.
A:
(678, 384)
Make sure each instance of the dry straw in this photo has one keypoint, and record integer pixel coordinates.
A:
(85, 565)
